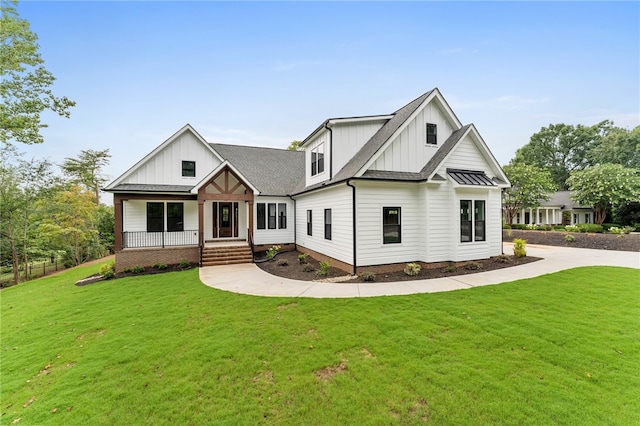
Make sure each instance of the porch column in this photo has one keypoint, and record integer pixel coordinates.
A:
(200, 222)
(546, 217)
(250, 236)
(117, 208)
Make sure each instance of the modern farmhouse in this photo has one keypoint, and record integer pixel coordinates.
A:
(412, 185)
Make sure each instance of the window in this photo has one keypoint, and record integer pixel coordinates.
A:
(189, 168)
(272, 216)
(309, 222)
(587, 218)
(472, 220)
(391, 225)
(479, 220)
(175, 217)
(575, 219)
(282, 216)
(155, 217)
(317, 159)
(327, 224)
(432, 134)
(262, 214)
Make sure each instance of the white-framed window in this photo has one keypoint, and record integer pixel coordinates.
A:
(317, 159)
(282, 216)
(391, 227)
(189, 169)
(472, 220)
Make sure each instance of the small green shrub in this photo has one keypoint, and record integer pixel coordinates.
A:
(504, 258)
(450, 269)
(283, 262)
(307, 267)
(109, 275)
(302, 258)
(127, 270)
(368, 276)
(185, 264)
(559, 228)
(323, 268)
(569, 238)
(473, 266)
(519, 246)
(108, 267)
(160, 266)
(591, 228)
(137, 269)
(506, 226)
(412, 269)
(271, 253)
(620, 231)
(520, 226)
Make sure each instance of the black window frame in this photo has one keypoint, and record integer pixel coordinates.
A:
(282, 215)
(432, 134)
(190, 169)
(261, 216)
(175, 217)
(310, 222)
(388, 227)
(155, 217)
(272, 218)
(479, 224)
(466, 221)
(327, 224)
(473, 221)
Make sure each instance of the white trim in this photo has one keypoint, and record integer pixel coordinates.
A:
(217, 170)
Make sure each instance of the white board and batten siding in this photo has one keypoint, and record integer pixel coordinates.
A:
(321, 138)
(409, 151)
(371, 198)
(349, 138)
(134, 213)
(274, 236)
(165, 167)
(339, 200)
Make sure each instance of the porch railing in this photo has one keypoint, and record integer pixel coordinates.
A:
(138, 239)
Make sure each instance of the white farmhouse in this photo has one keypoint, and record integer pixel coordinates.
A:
(413, 185)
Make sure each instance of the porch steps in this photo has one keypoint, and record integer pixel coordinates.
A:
(212, 256)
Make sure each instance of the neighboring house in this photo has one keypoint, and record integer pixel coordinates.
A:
(560, 209)
(413, 185)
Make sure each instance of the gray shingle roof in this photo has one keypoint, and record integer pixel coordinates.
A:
(448, 145)
(562, 198)
(143, 187)
(272, 171)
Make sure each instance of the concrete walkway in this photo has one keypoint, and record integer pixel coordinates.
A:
(249, 279)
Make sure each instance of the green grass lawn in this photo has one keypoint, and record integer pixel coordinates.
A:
(165, 349)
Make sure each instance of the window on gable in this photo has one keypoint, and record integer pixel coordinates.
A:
(472, 220)
(272, 216)
(391, 232)
(282, 216)
(175, 217)
(309, 222)
(155, 217)
(317, 159)
(262, 214)
(432, 134)
(189, 168)
(327, 224)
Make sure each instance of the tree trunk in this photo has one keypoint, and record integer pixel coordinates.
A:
(15, 261)
(600, 215)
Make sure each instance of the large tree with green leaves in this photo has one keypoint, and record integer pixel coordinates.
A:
(294, 145)
(86, 169)
(604, 187)
(529, 186)
(25, 84)
(562, 148)
(618, 146)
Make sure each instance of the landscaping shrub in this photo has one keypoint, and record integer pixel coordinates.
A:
(559, 228)
(503, 258)
(308, 268)
(185, 264)
(473, 266)
(160, 266)
(412, 269)
(323, 268)
(519, 246)
(137, 269)
(506, 226)
(520, 226)
(571, 228)
(108, 270)
(569, 238)
(450, 268)
(590, 228)
(271, 253)
(283, 262)
(302, 258)
(368, 276)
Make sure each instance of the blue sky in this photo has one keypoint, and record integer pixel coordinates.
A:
(267, 73)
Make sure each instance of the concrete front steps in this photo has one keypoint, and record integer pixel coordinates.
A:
(226, 255)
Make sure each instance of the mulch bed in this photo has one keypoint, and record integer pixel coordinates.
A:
(629, 242)
(388, 273)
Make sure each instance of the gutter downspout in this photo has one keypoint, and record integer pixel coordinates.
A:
(353, 207)
(295, 234)
(326, 126)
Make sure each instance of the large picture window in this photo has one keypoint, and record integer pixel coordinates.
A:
(327, 224)
(189, 168)
(155, 217)
(309, 222)
(317, 159)
(262, 216)
(272, 216)
(282, 216)
(472, 220)
(391, 231)
(175, 217)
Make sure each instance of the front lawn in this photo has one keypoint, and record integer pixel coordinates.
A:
(165, 349)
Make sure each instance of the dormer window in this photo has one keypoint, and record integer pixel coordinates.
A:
(317, 160)
(432, 134)
(189, 169)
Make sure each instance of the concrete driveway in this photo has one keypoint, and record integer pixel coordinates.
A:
(249, 279)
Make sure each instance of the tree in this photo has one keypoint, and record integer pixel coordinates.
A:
(618, 146)
(25, 82)
(87, 170)
(562, 148)
(529, 186)
(294, 145)
(605, 186)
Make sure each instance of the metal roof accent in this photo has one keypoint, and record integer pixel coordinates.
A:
(470, 177)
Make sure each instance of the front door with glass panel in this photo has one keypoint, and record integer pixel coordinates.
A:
(225, 220)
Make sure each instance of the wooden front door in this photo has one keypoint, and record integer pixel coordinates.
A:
(225, 219)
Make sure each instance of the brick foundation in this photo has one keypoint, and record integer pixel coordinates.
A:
(346, 267)
(129, 258)
(260, 248)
